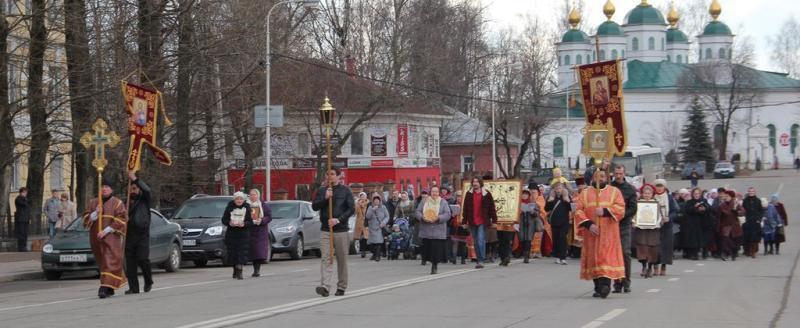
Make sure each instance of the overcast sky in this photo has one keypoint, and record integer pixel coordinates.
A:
(759, 19)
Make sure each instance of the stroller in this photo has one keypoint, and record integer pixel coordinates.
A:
(400, 243)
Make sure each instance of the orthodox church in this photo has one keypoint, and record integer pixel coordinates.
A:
(656, 60)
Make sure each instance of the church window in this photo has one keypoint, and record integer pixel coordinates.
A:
(558, 147)
(614, 54)
(722, 53)
(651, 43)
(566, 60)
(772, 133)
(663, 44)
(559, 60)
(678, 59)
(793, 137)
(635, 44)
(668, 59)
(708, 53)
(602, 55)
(587, 59)
(578, 60)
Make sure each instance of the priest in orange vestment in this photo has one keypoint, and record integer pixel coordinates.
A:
(599, 209)
(107, 238)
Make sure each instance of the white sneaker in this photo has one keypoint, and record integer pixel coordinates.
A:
(557, 261)
(563, 262)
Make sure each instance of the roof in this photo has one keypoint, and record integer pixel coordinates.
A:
(676, 35)
(648, 75)
(609, 28)
(644, 14)
(574, 35)
(461, 129)
(717, 28)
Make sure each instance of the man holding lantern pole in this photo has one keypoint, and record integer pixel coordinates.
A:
(343, 208)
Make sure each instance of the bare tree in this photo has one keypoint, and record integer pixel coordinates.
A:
(37, 111)
(7, 138)
(786, 47)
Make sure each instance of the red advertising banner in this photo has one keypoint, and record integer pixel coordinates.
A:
(402, 140)
(601, 90)
(382, 163)
(142, 103)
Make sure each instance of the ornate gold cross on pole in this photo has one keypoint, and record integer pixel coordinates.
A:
(100, 139)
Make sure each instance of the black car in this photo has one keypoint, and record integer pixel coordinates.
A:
(70, 250)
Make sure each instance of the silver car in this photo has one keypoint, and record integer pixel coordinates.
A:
(295, 228)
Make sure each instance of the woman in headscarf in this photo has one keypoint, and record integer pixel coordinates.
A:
(361, 234)
(730, 230)
(433, 213)
(376, 219)
(772, 222)
(648, 241)
(696, 215)
(259, 233)
(237, 237)
(669, 211)
(780, 235)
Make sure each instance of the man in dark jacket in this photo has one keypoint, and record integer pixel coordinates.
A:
(22, 218)
(629, 194)
(753, 212)
(137, 241)
(479, 213)
(343, 208)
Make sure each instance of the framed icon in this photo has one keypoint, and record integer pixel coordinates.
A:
(647, 215)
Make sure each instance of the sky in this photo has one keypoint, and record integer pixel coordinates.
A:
(759, 19)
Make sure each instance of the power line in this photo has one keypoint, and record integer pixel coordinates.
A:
(496, 101)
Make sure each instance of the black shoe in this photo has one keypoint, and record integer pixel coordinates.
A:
(596, 294)
(130, 292)
(339, 292)
(255, 275)
(434, 268)
(322, 291)
(424, 262)
(526, 261)
(103, 292)
(148, 288)
(363, 254)
(626, 290)
(604, 291)
(617, 289)
(453, 261)
(463, 260)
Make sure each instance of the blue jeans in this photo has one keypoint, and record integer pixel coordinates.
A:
(51, 229)
(479, 241)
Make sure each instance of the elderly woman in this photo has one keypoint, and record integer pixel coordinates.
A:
(67, 210)
(730, 231)
(669, 212)
(237, 237)
(259, 232)
(648, 241)
(361, 234)
(696, 215)
(433, 213)
(376, 218)
(772, 222)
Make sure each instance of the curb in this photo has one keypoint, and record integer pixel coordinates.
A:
(37, 275)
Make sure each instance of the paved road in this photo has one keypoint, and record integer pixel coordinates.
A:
(745, 293)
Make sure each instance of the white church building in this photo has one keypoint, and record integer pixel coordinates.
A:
(656, 57)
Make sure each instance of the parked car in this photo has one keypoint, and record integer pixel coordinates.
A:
(724, 170)
(70, 250)
(295, 228)
(203, 232)
(699, 167)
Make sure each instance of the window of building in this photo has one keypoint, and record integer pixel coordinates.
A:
(793, 137)
(668, 59)
(602, 55)
(14, 77)
(722, 53)
(16, 169)
(772, 135)
(57, 173)
(566, 60)
(651, 43)
(614, 54)
(578, 60)
(302, 144)
(635, 44)
(558, 147)
(708, 53)
(718, 136)
(559, 60)
(678, 59)
(467, 164)
(663, 44)
(357, 143)
(587, 59)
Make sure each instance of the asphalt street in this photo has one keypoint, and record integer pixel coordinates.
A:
(747, 293)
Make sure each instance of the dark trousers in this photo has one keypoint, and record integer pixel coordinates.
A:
(526, 248)
(600, 282)
(625, 239)
(505, 238)
(21, 230)
(137, 256)
(560, 241)
(376, 250)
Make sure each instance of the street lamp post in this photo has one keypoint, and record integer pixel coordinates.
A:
(267, 67)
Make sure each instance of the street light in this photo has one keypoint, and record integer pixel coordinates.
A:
(308, 4)
(326, 112)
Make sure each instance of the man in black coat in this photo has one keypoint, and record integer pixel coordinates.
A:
(22, 218)
(629, 194)
(343, 208)
(137, 241)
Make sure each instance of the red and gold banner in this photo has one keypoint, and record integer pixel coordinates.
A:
(142, 103)
(601, 90)
(402, 140)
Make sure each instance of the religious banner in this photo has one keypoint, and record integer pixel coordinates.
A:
(507, 198)
(378, 143)
(601, 90)
(141, 103)
(402, 140)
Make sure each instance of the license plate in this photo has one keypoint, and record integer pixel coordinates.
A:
(72, 258)
(189, 242)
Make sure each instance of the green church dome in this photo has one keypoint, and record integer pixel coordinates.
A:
(645, 14)
(574, 35)
(609, 28)
(675, 35)
(717, 28)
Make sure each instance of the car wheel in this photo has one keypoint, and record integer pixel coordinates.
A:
(297, 252)
(200, 263)
(52, 275)
(173, 262)
(318, 253)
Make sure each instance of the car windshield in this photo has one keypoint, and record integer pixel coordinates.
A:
(724, 165)
(209, 208)
(76, 225)
(282, 211)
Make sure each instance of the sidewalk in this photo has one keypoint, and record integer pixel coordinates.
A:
(20, 266)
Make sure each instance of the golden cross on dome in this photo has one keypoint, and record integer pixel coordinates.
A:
(100, 139)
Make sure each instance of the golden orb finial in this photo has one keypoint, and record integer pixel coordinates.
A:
(715, 9)
(672, 16)
(609, 9)
(644, 3)
(574, 18)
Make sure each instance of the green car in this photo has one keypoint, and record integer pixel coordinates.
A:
(69, 250)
